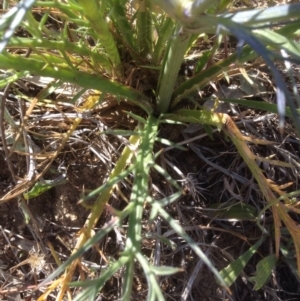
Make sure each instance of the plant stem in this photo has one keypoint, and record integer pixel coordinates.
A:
(172, 61)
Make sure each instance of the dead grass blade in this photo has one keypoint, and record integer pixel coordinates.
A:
(279, 209)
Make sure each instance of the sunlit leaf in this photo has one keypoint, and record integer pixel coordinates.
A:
(233, 270)
(41, 187)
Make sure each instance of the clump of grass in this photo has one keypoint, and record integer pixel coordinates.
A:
(115, 53)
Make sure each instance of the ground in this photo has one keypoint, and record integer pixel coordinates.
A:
(209, 170)
(59, 216)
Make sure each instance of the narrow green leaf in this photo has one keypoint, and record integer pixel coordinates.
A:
(165, 271)
(208, 131)
(124, 26)
(172, 61)
(257, 104)
(136, 117)
(10, 77)
(202, 61)
(41, 187)
(62, 45)
(144, 161)
(97, 21)
(164, 32)
(197, 116)
(89, 244)
(91, 81)
(170, 143)
(111, 182)
(233, 270)
(154, 292)
(170, 199)
(93, 286)
(193, 245)
(120, 132)
(239, 211)
(166, 175)
(279, 41)
(144, 28)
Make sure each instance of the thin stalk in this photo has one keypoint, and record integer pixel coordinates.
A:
(174, 56)
(32, 26)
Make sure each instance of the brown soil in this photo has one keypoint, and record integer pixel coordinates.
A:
(59, 218)
(219, 176)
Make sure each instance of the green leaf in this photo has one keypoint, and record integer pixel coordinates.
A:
(40, 188)
(163, 239)
(263, 271)
(257, 104)
(97, 21)
(170, 143)
(85, 80)
(165, 271)
(143, 162)
(202, 61)
(91, 242)
(167, 176)
(233, 270)
(172, 61)
(111, 182)
(93, 286)
(208, 131)
(239, 211)
(197, 116)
